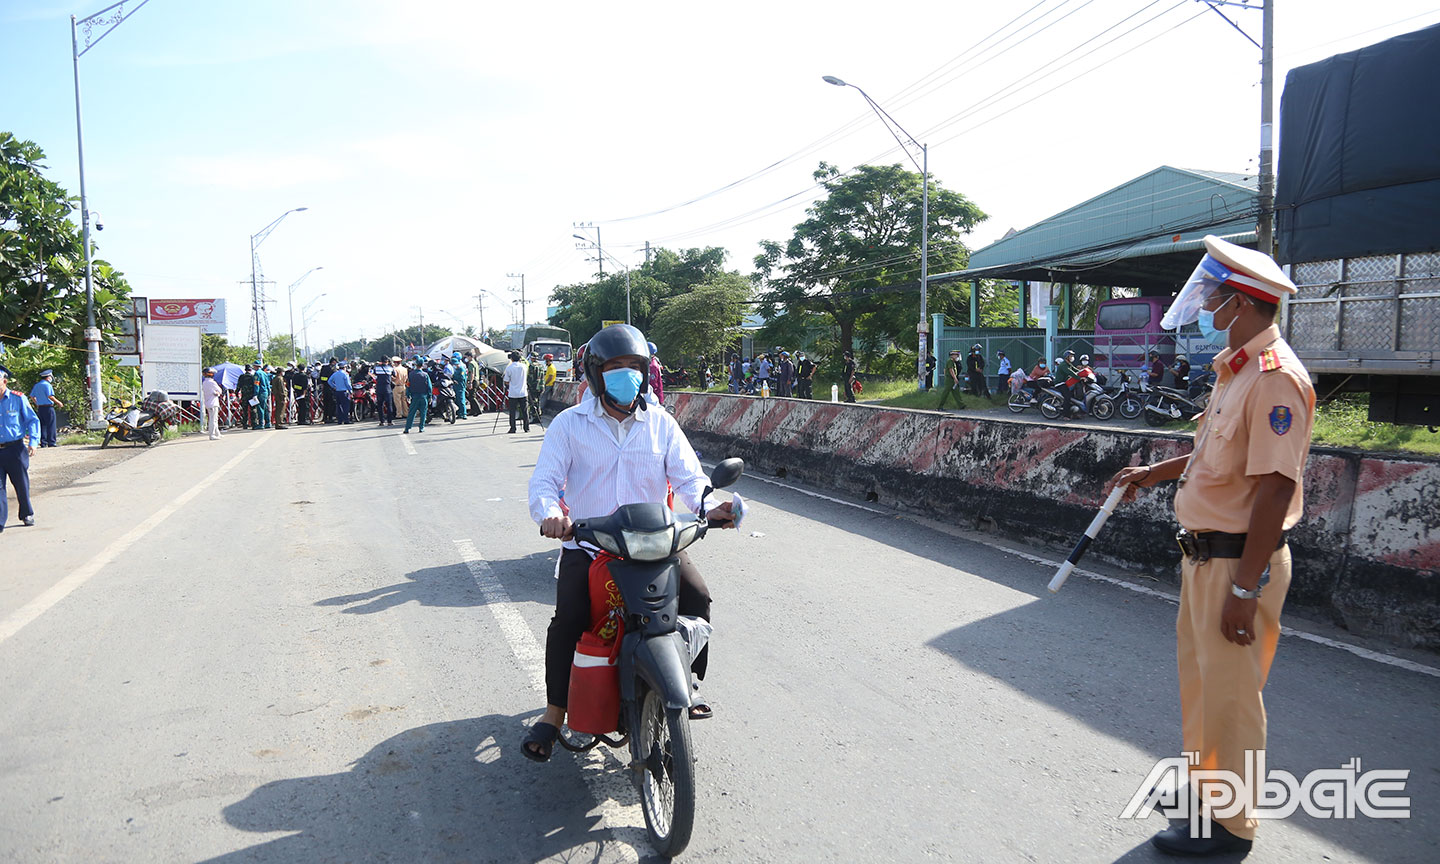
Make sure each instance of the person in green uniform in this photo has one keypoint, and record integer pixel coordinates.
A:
(950, 386)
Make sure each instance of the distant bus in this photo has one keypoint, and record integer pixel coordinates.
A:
(1128, 329)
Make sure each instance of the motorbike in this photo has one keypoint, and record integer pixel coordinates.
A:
(654, 657)
(442, 399)
(1130, 396)
(144, 423)
(1168, 404)
(363, 406)
(675, 377)
(1025, 397)
(1092, 400)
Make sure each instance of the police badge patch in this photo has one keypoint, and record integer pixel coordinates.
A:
(1280, 419)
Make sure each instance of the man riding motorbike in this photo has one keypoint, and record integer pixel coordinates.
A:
(605, 452)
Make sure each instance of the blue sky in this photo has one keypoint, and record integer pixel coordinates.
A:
(440, 145)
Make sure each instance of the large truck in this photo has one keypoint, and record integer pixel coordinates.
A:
(1358, 223)
(541, 340)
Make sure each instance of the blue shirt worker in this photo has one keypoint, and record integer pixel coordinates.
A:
(340, 383)
(19, 430)
(262, 393)
(43, 395)
(417, 387)
(384, 392)
(458, 373)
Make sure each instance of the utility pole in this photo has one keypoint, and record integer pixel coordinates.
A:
(521, 277)
(647, 251)
(1264, 231)
(422, 326)
(599, 250)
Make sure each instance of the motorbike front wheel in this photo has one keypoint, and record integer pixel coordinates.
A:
(106, 441)
(450, 412)
(667, 778)
(1052, 406)
(1160, 417)
(1019, 401)
(1130, 407)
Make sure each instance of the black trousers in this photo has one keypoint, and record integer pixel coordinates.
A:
(802, 387)
(518, 408)
(572, 617)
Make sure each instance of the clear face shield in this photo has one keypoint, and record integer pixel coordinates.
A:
(1209, 275)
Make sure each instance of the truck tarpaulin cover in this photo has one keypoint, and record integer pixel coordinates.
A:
(1359, 164)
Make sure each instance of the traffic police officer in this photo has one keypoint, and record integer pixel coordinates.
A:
(1240, 491)
(19, 430)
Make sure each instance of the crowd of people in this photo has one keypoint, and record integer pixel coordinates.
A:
(780, 374)
(344, 392)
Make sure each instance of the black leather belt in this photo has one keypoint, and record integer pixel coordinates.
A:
(17, 441)
(1204, 545)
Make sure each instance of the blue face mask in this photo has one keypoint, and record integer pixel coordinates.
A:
(1213, 334)
(623, 385)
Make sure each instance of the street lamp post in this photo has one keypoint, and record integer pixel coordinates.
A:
(293, 286)
(304, 318)
(923, 329)
(255, 240)
(117, 16)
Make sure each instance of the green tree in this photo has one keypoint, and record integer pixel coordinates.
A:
(584, 305)
(42, 257)
(856, 257)
(279, 349)
(703, 320)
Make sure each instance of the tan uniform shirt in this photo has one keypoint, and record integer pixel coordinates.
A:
(1258, 422)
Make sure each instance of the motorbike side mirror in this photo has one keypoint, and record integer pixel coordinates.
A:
(727, 472)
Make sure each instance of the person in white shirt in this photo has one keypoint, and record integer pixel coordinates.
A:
(210, 399)
(516, 390)
(611, 449)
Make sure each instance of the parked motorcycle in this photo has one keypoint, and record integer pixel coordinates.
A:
(675, 377)
(144, 423)
(1092, 400)
(1129, 395)
(442, 399)
(654, 657)
(363, 404)
(1026, 397)
(1168, 404)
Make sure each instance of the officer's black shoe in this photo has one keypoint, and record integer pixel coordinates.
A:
(1176, 840)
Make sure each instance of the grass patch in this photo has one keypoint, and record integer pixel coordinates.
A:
(90, 437)
(1342, 422)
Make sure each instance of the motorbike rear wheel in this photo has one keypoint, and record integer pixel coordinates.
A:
(1130, 406)
(667, 779)
(1103, 408)
(1052, 406)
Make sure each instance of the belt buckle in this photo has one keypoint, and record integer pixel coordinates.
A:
(1197, 549)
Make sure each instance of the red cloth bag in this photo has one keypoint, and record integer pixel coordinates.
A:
(595, 674)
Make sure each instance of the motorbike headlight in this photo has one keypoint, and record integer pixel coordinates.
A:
(649, 546)
(607, 542)
(688, 534)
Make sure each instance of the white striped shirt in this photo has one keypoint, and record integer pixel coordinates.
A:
(582, 457)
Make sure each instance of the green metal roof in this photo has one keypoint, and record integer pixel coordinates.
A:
(1146, 233)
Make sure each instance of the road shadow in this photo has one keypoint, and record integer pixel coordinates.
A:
(528, 579)
(1103, 666)
(452, 791)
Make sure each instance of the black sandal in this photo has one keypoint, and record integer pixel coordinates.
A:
(701, 711)
(542, 736)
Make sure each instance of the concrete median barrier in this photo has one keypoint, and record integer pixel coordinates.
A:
(1367, 554)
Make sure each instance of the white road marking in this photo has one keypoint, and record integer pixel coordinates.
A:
(607, 784)
(409, 448)
(811, 494)
(1363, 653)
(60, 590)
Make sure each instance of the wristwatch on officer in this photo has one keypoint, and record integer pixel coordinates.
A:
(1243, 594)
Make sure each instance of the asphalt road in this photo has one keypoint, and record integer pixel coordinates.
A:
(317, 645)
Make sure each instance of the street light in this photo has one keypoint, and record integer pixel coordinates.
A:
(113, 19)
(605, 254)
(293, 286)
(255, 240)
(923, 329)
(305, 326)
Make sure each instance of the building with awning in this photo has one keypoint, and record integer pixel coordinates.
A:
(1147, 233)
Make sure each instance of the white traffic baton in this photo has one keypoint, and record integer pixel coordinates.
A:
(1095, 525)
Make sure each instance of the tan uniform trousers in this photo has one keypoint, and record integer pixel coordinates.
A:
(402, 402)
(1222, 713)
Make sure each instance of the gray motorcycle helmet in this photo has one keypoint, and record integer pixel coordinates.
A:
(617, 340)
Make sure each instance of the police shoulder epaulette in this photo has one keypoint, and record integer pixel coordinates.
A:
(1269, 360)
